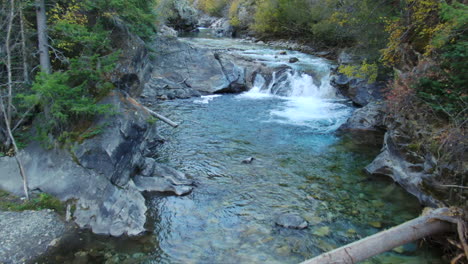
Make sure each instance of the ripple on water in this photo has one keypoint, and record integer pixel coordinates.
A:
(298, 167)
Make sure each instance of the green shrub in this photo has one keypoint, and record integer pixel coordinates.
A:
(213, 7)
(366, 71)
(41, 202)
(138, 15)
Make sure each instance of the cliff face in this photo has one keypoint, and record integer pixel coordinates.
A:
(103, 177)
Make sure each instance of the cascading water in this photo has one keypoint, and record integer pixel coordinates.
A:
(306, 101)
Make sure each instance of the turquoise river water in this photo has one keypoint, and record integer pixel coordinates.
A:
(301, 165)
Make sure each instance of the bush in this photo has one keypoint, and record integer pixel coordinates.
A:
(213, 7)
(67, 97)
(138, 15)
(366, 71)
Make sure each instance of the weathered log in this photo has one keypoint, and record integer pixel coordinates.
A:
(162, 118)
(151, 112)
(412, 230)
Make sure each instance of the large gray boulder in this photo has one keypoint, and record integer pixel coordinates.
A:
(222, 28)
(366, 119)
(358, 90)
(183, 70)
(404, 166)
(98, 175)
(183, 15)
(29, 234)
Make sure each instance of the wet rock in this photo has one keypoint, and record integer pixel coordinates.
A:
(166, 31)
(291, 220)
(248, 160)
(293, 60)
(368, 118)
(393, 162)
(206, 21)
(183, 70)
(164, 179)
(26, 235)
(283, 53)
(81, 257)
(358, 90)
(222, 28)
(184, 16)
(100, 174)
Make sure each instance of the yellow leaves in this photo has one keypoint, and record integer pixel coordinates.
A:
(70, 13)
(367, 71)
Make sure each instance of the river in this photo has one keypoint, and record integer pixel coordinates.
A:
(300, 165)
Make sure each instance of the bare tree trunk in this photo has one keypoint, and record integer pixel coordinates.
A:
(384, 241)
(8, 62)
(7, 113)
(23, 46)
(42, 37)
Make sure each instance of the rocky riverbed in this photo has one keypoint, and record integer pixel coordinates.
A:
(104, 178)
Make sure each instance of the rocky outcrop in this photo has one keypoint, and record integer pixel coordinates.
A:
(168, 32)
(222, 28)
(29, 234)
(134, 66)
(366, 125)
(102, 176)
(358, 90)
(366, 119)
(406, 167)
(184, 70)
(184, 16)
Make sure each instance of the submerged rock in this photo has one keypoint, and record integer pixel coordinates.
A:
(291, 220)
(293, 60)
(26, 235)
(248, 160)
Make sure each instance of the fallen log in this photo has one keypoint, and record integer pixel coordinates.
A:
(151, 112)
(365, 248)
(162, 118)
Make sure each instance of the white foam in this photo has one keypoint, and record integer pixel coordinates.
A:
(206, 99)
(306, 103)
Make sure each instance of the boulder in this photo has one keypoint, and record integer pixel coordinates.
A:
(291, 220)
(293, 60)
(206, 21)
(222, 28)
(404, 166)
(166, 31)
(367, 118)
(358, 90)
(184, 16)
(182, 70)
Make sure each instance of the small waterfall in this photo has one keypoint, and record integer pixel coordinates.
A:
(305, 101)
(291, 83)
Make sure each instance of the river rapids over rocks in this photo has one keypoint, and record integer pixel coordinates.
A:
(301, 192)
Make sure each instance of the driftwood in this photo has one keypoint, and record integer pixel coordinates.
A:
(426, 225)
(151, 112)
(162, 118)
